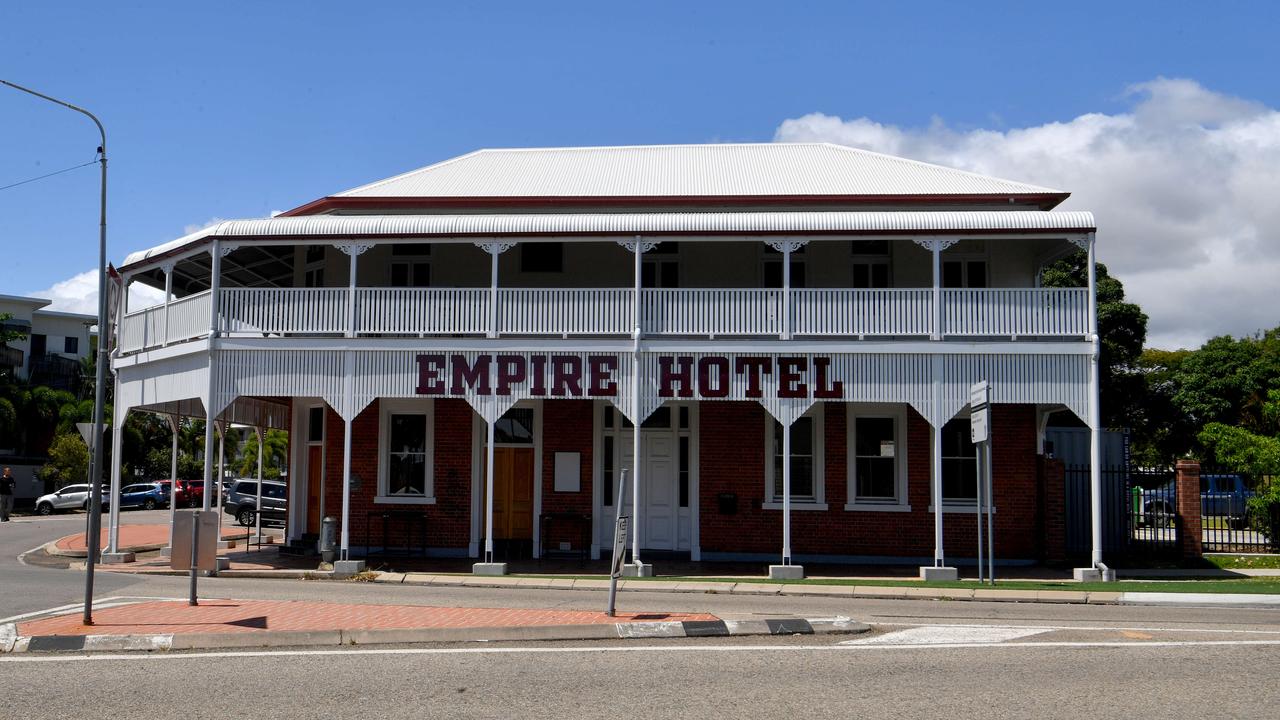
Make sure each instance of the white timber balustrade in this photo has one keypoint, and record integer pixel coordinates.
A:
(422, 311)
(862, 312)
(283, 311)
(571, 311)
(1016, 312)
(711, 312)
(188, 318)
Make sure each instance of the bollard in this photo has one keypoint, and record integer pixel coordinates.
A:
(328, 538)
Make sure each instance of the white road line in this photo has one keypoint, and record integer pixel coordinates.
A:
(1214, 631)
(949, 635)
(28, 658)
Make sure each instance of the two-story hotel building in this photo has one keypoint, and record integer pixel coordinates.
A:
(794, 329)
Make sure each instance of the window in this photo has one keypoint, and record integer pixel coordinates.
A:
(965, 266)
(514, 428)
(616, 441)
(870, 263)
(313, 272)
(660, 267)
(39, 345)
(405, 439)
(772, 268)
(806, 461)
(877, 458)
(959, 464)
(71, 345)
(410, 265)
(315, 424)
(542, 257)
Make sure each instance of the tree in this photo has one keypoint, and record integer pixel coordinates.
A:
(275, 450)
(68, 461)
(1122, 330)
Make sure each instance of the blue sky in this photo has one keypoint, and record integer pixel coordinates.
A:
(222, 110)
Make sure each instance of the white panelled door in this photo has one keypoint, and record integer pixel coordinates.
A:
(659, 496)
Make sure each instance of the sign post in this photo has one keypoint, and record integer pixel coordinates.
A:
(980, 435)
(619, 544)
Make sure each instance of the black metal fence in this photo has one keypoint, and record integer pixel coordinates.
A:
(1230, 522)
(1139, 512)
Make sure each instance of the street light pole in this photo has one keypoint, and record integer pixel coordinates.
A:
(100, 383)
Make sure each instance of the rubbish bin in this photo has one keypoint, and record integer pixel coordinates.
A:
(328, 538)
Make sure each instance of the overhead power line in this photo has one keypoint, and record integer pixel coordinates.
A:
(42, 177)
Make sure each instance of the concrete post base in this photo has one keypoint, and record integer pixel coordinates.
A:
(348, 567)
(226, 544)
(166, 551)
(1093, 575)
(492, 568)
(116, 558)
(637, 570)
(933, 573)
(224, 563)
(786, 572)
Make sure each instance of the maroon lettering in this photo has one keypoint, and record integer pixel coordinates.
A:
(539, 372)
(754, 367)
(683, 375)
(511, 371)
(475, 376)
(566, 375)
(824, 390)
(600, 369)
(719, 367)
(789, 375)
(430, 381)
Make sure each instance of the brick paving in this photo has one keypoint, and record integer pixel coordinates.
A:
(247, 616)
(136, 536)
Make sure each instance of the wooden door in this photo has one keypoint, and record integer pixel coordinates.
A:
(512, 493)
(315, 457)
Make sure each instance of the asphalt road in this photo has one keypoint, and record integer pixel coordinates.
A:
(784, 678)
(925, 659)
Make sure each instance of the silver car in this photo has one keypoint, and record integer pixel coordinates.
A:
(71, 497)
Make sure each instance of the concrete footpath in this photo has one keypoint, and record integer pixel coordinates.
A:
(222, 624)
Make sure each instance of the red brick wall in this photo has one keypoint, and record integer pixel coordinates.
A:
(567, 426)
(1187, 477)
(448, 521)
(1054, 500)
(733, 460)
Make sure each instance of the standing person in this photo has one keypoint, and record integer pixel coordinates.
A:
(7, 484)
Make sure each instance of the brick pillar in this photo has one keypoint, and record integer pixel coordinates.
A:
(1053, 476)
(1187, 477)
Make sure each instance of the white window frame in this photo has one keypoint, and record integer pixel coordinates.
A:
(870, 259)
(897, 413)
(386, 409)
(957, 505)
(819, 501)
(967, 251)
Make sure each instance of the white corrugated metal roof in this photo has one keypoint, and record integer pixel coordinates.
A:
(738, 170)
(339, 227)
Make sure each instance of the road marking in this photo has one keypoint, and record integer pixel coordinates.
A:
(1087, 627)
(26, 658)
(1157, 598)
(949, 635)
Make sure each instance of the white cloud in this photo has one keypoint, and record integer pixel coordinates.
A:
(79, 294)
(196, 227)
(1185, 187)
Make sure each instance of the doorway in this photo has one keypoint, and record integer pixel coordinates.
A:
(514, 484)
(667, 476)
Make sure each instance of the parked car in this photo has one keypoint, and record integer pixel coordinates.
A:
(71, 497)
(1225, 496)
(182, 495)
(241, 503)
(148, 495)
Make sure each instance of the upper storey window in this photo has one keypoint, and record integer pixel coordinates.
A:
(870, 263)
(772, 268)
(660, 267)
(411, 265)
(966, 266)
(313, 270)
(542, 257)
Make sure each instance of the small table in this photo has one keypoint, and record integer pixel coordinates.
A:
(408, 519)
(567, 519)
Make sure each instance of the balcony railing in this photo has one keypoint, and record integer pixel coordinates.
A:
(572, 312)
